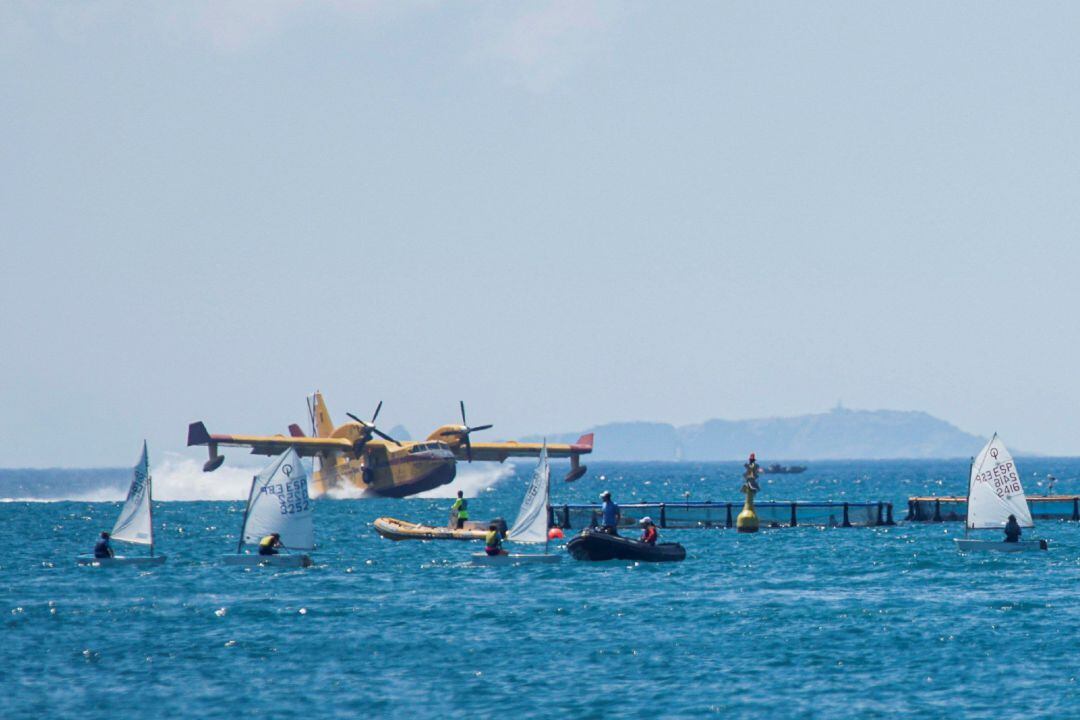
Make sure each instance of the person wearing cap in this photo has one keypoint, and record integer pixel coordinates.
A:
(102, 548)
(649, 535)
(609, 514)
(269, 545)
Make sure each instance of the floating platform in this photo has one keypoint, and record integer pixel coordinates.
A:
(951, 508)
(771, 514)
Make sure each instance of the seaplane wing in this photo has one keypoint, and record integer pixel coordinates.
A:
(263, 444)
(499, 451)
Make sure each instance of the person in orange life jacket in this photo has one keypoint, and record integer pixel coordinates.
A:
(649, 535)
(493, 541)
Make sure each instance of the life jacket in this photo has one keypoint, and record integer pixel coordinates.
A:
(650, 535)
(493, 539)
(267, 541)
(462, 507)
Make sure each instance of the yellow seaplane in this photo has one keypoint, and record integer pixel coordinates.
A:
(358, 454)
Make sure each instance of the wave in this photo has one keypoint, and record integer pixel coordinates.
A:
(472, 480)
(180, 478)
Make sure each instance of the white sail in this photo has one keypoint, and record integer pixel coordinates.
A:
(279, 503)
(532, 521)
(994, 489)
(135, 523)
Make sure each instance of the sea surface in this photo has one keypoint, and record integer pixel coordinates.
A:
(803, 622)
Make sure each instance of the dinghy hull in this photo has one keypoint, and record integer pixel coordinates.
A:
(267, 560)
(600, 546)
(972, 545)
(512, 559)
(394, 529)
(137, 561)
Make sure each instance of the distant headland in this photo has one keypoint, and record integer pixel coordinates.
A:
(838, 434)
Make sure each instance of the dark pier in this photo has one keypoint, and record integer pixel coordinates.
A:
(771, 514)
(951, 508)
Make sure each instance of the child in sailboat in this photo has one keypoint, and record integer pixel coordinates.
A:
(269, 544)
(1012, 530)
(102, 548)
(493, 541)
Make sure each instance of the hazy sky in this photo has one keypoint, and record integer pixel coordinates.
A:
(564, 213)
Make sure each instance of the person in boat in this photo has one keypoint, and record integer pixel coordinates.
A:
(1012, 530)
(269, 545)
(459, 511)
(493, 541)
(102, 548)
(649, 535)
(609, 514)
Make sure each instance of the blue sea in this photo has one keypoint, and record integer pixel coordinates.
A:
(802, 622)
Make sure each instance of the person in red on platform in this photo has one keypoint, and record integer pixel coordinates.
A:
(649, 535)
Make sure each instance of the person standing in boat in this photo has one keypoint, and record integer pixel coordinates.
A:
(459, 511)
(750, 475)
(609, 514)
(493, 541)
(1012, 530)
(269, 545)
(649, 535)
(102, 548)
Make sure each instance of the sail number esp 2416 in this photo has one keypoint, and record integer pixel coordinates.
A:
(1002, 478)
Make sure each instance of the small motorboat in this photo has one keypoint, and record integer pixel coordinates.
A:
(778, 469)
(394, 529)
(596, 545)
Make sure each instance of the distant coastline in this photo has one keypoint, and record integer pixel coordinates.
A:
(840, 434)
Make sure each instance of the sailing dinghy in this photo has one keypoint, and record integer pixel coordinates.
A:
(135, 525)
(531, 525)
(277, 503)
(995, 493)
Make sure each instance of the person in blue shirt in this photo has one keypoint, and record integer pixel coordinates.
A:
(610, 515)
(102, 549)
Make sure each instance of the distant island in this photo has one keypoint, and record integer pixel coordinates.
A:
(839, 434)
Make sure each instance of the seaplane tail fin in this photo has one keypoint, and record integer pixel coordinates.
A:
(323, 426)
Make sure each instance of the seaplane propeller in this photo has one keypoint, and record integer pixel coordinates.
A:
(465, 431)
(369, 430)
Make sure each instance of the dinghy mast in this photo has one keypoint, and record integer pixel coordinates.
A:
(150, 502)
(967, 515)
(247, 508)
